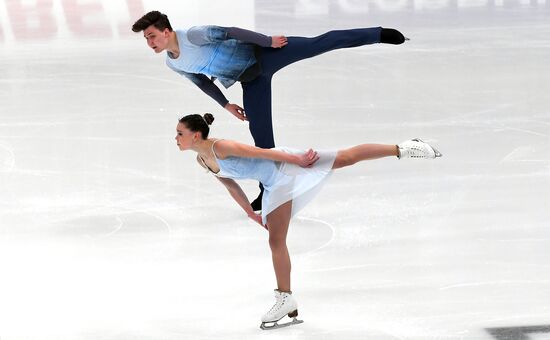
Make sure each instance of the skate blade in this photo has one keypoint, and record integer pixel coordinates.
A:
(437, 153)
(275, 325)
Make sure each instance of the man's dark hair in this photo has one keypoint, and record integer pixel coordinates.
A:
(155, 18)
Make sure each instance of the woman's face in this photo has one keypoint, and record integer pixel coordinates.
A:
(185, 138)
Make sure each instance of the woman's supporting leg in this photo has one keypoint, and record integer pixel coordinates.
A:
(277, 222)
(299, 48)
(363, 152)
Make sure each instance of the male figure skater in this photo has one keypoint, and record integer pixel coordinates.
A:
(230, 54)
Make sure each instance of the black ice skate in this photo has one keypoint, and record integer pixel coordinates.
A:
(257, 203)
(392, 36)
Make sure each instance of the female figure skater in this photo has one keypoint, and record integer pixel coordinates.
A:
(291, 179)
(230, 54)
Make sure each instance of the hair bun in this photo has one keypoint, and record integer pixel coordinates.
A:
(209, 118)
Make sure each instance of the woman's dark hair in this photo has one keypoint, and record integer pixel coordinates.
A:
(155, 18)
(198, 123)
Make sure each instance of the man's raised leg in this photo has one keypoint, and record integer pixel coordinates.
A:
(299, 48)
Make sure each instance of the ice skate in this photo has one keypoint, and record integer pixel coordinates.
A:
(416, 148)
(392, 36)
(257, 203)
(285, 305)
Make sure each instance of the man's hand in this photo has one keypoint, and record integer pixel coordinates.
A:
(236, 111)
(278, 41)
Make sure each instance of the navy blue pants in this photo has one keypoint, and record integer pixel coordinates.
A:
(257, 93)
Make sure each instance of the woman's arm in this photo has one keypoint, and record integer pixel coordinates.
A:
(226, 148)
(240, 197)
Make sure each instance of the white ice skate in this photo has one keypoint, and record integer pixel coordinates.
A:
(285, 305)
(416, 148)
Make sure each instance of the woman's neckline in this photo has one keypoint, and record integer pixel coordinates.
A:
(216, 159)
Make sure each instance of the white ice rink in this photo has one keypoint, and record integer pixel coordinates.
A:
(109, 232)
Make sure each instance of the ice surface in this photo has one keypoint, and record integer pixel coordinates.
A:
(107, 231)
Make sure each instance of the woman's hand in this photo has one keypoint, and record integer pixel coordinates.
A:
(236, 111)
(278, 41)
(306, 160)
(257, 218)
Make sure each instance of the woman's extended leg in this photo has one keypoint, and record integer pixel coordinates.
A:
(277, 222)
(363, 152)
(414, 148)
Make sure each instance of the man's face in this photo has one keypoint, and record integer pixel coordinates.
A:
(156, 39)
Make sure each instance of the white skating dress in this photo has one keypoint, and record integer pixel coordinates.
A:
(282, 181)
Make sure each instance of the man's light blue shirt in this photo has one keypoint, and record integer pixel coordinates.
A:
(208, 50)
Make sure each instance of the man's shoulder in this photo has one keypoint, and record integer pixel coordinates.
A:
(182, 30)
(181, 33)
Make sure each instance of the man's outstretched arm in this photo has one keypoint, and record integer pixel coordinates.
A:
(201, 35)
(207, 86)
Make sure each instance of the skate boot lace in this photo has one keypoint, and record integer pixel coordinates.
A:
(278, 304)
(418, 149)
(417, 152)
